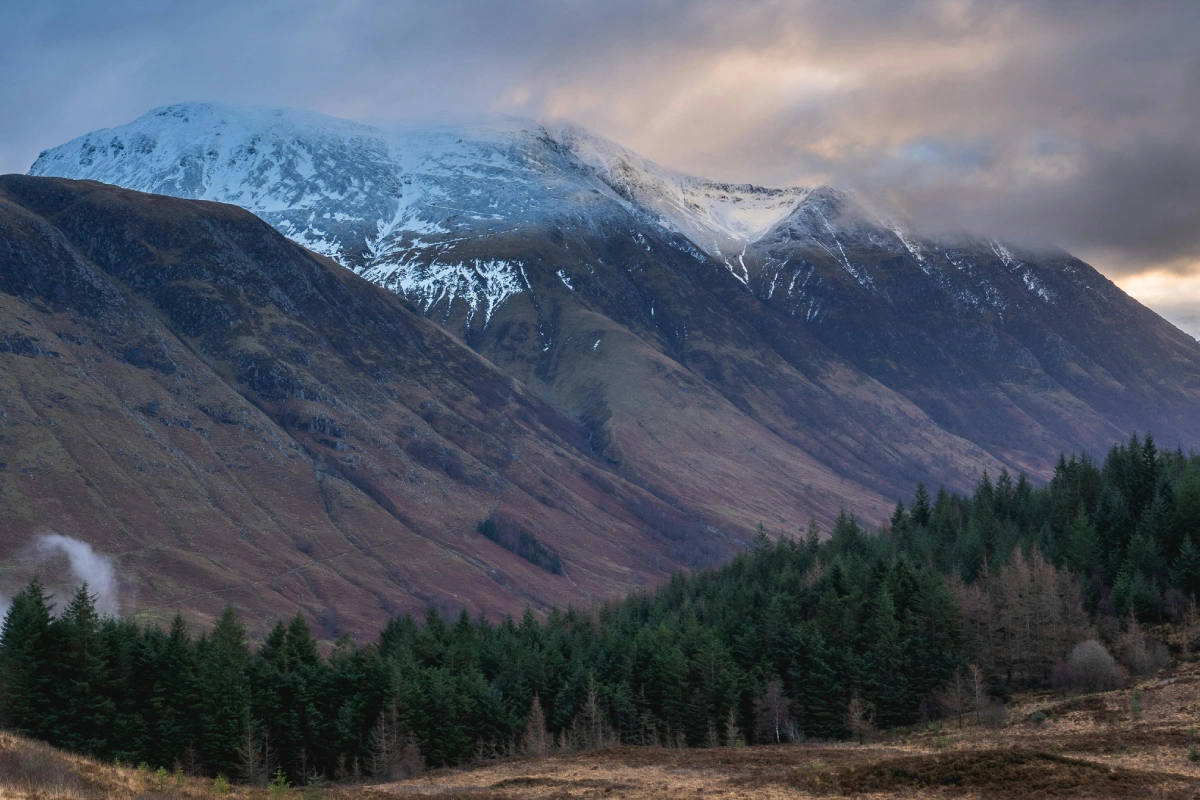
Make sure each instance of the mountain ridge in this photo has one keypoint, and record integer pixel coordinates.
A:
(233, 418)
(751, 355)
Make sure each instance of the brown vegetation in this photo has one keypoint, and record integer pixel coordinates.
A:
(35, 771)
(1120, 743)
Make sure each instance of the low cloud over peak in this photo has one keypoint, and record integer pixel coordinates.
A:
(1070, 123)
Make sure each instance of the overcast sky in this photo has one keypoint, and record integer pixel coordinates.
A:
(1074, 123)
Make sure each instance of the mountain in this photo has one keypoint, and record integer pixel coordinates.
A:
(744, 354)
(236, 419)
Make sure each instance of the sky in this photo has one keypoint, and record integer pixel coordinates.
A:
(1065, 122)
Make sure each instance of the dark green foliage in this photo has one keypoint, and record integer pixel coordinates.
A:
(517, 540)
(1126, 529)
(824, 620)
(26, 657)
(809, 623)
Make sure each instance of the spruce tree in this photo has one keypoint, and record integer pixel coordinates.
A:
(1185, 572)
(1083, 545)
(26, 656)
(223, 660)
(84, 707)
(920, 507)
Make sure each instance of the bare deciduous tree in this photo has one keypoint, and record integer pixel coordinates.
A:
(771, 715)
(250, 766)
(859, 719)
(733, 734)
(385, 744)
(958, 695)
(978, 689)
(590, 729)
(1027, 616)
(1187, 628)
(537, 740)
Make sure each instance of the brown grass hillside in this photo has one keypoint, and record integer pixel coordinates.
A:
(34, 771)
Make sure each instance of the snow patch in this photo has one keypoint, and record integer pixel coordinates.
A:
(481, 284)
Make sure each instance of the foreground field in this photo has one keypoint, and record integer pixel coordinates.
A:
(1129, 743)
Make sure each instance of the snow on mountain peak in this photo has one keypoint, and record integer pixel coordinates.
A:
(719, 217)
(390, 201)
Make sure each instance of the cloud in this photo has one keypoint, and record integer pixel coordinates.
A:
(85, 564)
(1069, 122)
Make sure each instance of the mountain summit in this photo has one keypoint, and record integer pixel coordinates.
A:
(748, 354)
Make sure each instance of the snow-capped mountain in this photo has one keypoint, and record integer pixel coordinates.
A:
(721, 218)
(392, 203)
(627, 291)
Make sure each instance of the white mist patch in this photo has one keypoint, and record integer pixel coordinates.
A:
(86, 565)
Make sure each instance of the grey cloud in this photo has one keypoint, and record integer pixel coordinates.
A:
(1068, 122)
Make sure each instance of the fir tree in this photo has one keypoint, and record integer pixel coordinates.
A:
(920, 507)
(1185, 572)
(26, 658)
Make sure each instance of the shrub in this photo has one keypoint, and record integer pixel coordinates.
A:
(993, 714)
(1038, 718)
(279, 784)
(220, 786)
(1088, 668)
(1194, 753)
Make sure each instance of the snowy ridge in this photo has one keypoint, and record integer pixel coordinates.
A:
(308, 175)
(412, 207)
(385, 203)
(392, 203)
(719, 217)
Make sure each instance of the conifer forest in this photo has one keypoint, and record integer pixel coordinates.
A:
(809, 634)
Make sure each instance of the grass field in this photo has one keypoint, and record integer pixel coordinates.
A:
(1128, 743)
(1133, 742)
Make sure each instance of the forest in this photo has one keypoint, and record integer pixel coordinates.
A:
(955, 603)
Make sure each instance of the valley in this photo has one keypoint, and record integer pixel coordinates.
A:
(718, 355)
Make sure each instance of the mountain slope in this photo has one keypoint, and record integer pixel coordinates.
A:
(990, 341)
(238, 420)
(751, 354)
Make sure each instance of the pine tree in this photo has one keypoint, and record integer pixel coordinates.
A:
(1185, 572)
(1083, 545)
(301, 647)
(920, 507)
(85, 709)
(761, 543)
(223, 661)
(26, 655)
(812, 536)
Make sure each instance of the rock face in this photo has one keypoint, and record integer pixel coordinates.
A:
(743, 354)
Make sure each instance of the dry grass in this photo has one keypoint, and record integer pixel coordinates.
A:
(1088, 746)
(34, 771)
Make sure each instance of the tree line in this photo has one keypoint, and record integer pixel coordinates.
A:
(808, 636)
